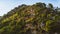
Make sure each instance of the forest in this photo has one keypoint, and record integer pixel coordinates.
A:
(38, 18)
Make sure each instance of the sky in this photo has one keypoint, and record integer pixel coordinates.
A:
(7, 5)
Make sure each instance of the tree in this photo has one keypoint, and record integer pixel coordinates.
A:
(50, 5)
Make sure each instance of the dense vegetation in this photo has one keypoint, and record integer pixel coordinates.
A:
(38, 18)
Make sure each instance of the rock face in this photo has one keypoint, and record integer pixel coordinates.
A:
(31, 19)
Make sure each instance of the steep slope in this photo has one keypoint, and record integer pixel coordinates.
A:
(31, 19)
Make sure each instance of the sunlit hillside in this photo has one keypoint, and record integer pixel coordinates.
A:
(38, 18)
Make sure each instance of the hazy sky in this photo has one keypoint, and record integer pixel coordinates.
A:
(7, 5)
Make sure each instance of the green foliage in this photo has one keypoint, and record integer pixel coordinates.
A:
(34, 19)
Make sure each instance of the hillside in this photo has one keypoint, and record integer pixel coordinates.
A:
(31, 19)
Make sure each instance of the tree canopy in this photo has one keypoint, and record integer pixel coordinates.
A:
(31, 19)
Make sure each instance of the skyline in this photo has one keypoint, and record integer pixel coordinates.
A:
(7, 5)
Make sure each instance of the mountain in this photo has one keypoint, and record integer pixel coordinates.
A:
(31, 19)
